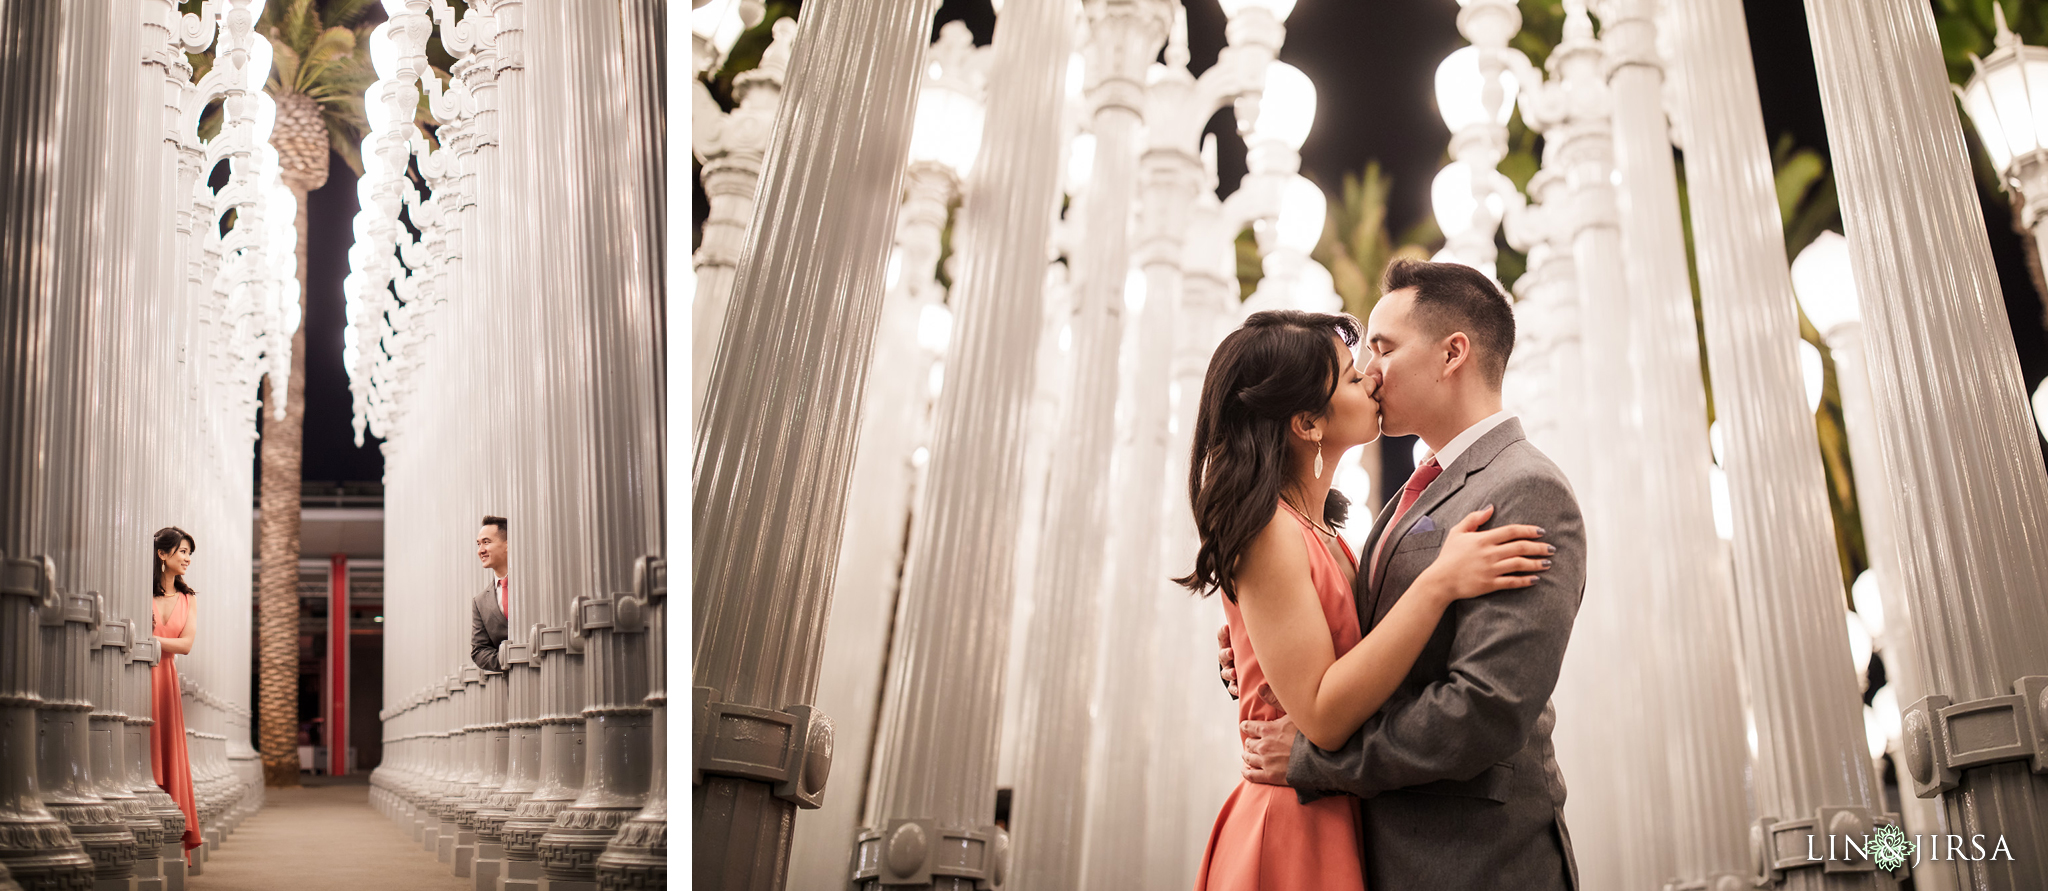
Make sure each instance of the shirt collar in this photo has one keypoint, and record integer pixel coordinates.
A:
(1451, 451)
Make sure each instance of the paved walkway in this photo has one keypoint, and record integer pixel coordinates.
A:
(322, 838)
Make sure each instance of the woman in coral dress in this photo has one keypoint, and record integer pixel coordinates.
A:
(177, 622)
(1283, 401)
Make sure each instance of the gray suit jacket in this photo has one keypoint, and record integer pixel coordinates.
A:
(486, 629)
(1460, 785)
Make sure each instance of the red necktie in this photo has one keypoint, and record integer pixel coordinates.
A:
(1423, 476)
(505, 602)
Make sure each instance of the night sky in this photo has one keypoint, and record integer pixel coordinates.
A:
(330, 450)
(1373, 64)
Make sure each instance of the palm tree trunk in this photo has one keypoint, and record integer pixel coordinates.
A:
(278, 556)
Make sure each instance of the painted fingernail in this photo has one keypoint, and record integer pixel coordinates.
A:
(1542, 531)
(1553, 549)
(1546, 564)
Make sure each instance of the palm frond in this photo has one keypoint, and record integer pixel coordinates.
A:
(298, 22)
(345, 12)
(285, 65)
(333, 45)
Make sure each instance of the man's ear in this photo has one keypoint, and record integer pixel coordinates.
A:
(1457, 351)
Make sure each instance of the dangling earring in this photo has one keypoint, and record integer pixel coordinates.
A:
(1319, 460)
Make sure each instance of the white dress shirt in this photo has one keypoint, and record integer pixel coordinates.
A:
(1449, 454)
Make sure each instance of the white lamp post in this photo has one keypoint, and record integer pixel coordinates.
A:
(731, 147)
(1825, 285)
(1285, 209)
(1475, 92)
(910, 339)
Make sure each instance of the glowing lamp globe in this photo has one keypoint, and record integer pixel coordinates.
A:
(2007, 98)
(1287, 109)
(947, 130)
(1302, 209)
(1451, 198)
(2041, 408)
(1461, 91)
(1813, 374)
(1135, 290)
(1279, 8)
(1863, 593)
(718, 22)
(935, 327)
(1859, 642)
(1825, 284)
(1080, 162)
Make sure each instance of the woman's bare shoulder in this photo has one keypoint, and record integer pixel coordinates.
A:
(1275, 554)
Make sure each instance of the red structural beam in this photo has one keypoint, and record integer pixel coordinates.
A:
(337, 666)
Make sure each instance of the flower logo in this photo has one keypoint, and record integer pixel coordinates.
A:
(1889, 848)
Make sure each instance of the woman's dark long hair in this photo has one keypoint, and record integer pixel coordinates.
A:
(1277, 365)
(167, 539)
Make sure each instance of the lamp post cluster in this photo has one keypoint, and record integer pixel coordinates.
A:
(1092, 149)
(142, 306)
(1605, 311)
(470, 322)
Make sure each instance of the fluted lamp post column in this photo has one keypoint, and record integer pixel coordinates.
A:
(1133, 773)
(1826, 287)
(1952, 430)
(40, 848)
(731, 148)
(770, 497)
(1622, 841)
(930, 824)
(1805, 705)
(911, 335)
(1049, 815)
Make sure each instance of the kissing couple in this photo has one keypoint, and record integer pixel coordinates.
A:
(1397, 724)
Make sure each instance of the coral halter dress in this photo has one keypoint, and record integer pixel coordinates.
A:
(167, 757)
(1265, 839)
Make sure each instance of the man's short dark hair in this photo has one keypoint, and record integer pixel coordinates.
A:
(500, 523)
(1454, 297)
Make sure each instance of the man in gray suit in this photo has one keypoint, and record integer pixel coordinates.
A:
(487, 610)
(1460, 784)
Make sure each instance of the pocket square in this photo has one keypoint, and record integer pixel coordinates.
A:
(1422, 525)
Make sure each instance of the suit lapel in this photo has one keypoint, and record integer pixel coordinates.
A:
(1450, 481)
(1475, 459)
(489, 598)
